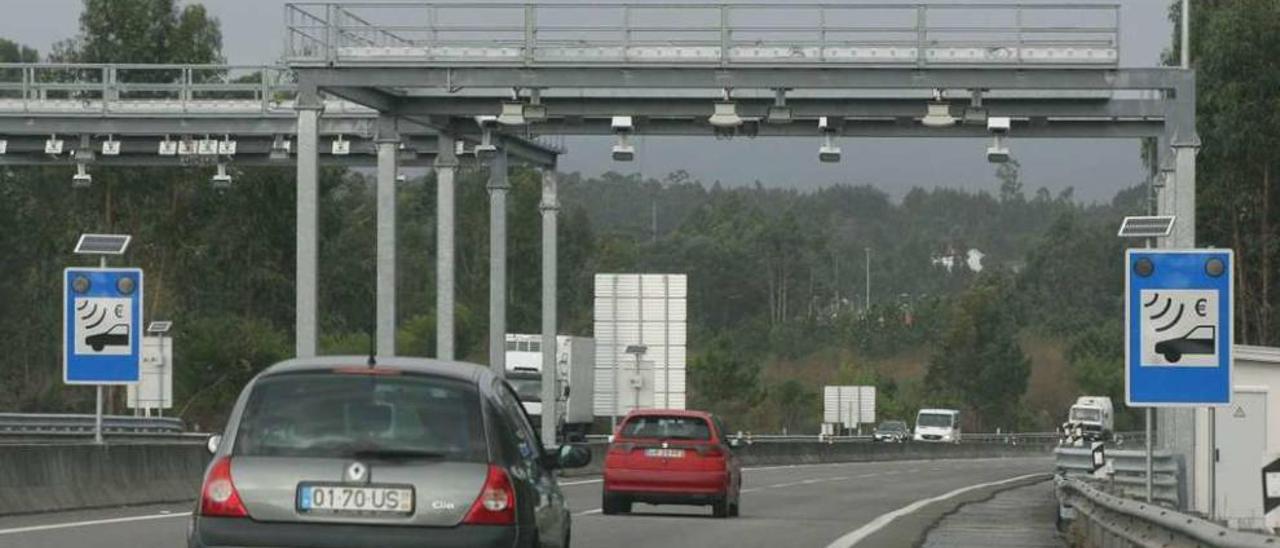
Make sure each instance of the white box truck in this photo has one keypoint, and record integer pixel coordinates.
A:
(1091, 418)
(575, 368)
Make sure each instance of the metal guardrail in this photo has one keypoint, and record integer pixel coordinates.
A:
(1129, 476)
(154, 91)
(25, 424)
(705, 33)
(1108, 520)
(271, 88)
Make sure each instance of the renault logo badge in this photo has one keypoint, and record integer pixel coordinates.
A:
(357, 472)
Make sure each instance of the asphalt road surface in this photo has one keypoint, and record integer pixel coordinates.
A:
(833, 505)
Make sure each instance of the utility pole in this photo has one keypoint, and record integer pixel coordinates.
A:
(868, 279)
(1186, 34)
(653, 219)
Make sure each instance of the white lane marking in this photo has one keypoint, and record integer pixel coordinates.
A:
(589, 512)
(852, 538)
(582, 482)
(35, 528)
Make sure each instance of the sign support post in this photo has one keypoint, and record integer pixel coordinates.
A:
(1150, 466)
(97, 418)
(97, 414)
(160, 407)
(1213, 462)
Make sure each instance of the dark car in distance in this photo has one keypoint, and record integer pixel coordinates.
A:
(891, 431)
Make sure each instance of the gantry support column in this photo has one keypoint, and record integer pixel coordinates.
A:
(388, 143)
(498, 186)
(309, 107)
(446, 166)
(1184, 431)
(550, 206)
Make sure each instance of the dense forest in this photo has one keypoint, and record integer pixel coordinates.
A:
(1005, 303)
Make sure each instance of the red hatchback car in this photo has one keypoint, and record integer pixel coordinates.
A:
(667, 456)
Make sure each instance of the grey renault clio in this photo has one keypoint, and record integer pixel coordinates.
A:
(335, 452)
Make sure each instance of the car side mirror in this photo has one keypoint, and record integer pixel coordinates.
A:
(569, 456)
(213, 442)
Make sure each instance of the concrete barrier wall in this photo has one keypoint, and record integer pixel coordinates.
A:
(45, 478)
(771, 453)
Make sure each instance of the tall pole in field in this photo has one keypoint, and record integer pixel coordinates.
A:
(868, 279)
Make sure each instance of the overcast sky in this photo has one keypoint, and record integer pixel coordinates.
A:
(252, 31)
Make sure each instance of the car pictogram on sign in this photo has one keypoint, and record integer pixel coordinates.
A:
(1200, 340)
(118, 335)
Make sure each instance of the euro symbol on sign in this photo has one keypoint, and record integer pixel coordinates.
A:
(1201, 306)
(120, 311)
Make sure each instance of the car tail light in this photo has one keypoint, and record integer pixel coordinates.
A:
(218, 496)
(496, 504)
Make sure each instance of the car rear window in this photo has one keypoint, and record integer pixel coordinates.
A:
(667, 427)
(328, 415)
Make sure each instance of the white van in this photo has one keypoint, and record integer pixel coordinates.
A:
(940, 425)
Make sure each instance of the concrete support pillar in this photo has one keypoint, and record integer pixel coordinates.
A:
(446, 166)
(550, 206)
(388, 143)
(308, 245)
(498, 186)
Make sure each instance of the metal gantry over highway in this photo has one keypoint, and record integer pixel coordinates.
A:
(818, 71)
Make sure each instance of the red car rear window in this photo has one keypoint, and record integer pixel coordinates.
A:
(667, 427)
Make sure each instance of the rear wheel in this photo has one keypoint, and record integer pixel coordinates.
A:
(614, 504)
(720, 508)
(734, 508)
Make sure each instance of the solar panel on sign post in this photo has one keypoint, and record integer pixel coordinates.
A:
(159, 327)
(1146, 227)
(102, 244)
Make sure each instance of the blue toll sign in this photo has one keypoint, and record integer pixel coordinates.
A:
(1178, 312)
(102, 324)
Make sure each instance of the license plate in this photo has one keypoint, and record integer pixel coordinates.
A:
(362, 500)
(665, 453)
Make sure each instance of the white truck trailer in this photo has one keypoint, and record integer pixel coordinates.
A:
(575, 368)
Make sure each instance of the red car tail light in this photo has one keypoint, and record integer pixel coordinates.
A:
(218, 496)
(496, 504)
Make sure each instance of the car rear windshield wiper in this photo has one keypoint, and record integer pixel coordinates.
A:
(392, 453)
